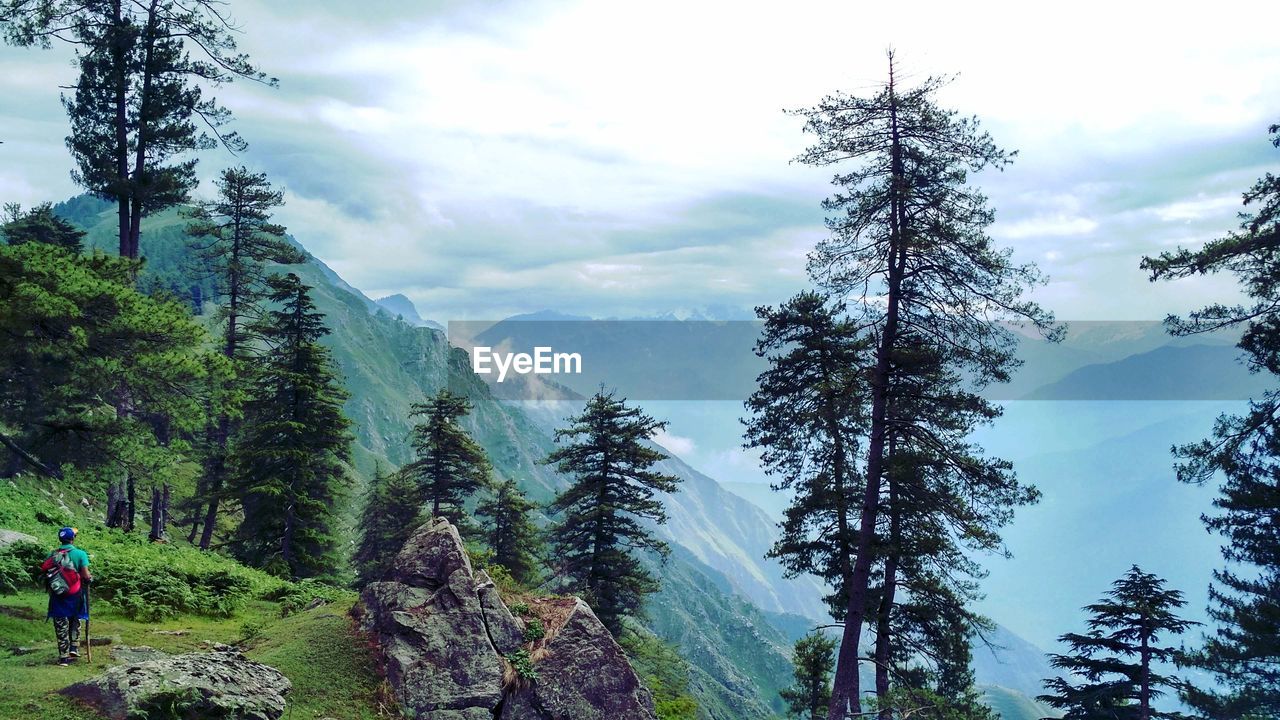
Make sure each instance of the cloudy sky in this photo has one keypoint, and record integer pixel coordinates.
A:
(608, 159)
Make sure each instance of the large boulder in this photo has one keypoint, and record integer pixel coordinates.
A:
(12, 537)
(222, 684)
(443, 632)
(582, 675)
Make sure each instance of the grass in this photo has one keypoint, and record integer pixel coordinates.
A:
(331, 669)
(330, 666)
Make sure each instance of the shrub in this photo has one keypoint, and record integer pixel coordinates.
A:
(534, 630)
(522, 664)
(19, 567)
(294, 596)
(150, 582)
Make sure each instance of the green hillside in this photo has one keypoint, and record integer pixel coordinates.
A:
(389, 364)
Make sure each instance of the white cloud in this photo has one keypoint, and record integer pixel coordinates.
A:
(681, 446)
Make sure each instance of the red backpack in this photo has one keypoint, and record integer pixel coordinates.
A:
(60, 574)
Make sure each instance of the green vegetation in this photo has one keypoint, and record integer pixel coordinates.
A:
(1113, 670)
(510, 533)
(1244, 653)
(808, 697)
(596, 540)
(450, 466)
(391, 512)
(663, 671)
(290, 459)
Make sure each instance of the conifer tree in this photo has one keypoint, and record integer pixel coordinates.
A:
(290, 459)
(138, 106)
(391, 513)
(908, 238)
(598, 535)
(234, 241)
(1113, 670)
(450, 467)
(510, 533)
(39, 225)
(809, 696)
(1244, 652)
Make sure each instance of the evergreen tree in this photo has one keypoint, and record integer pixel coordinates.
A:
(809, 697)
(1244, 653)
(391, 513)
(510, 532)
(138, 105)
(40, 225)
(1112, 672)
(74, 332)
(908, 239)
(289, 461)
(450, 466)
(614, 486)
(234, 240)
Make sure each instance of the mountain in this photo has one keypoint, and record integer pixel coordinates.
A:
(402, 307)
(1171, 372)
(388, 365)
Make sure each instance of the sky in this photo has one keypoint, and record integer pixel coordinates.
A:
(487, 159)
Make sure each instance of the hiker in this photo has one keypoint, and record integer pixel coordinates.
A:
(67, 579)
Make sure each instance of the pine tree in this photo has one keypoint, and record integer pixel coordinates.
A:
(809, 697)
(39, 225)
(75, 331)
(807, 419)
(1244, 652)
(908, 239)
(1113, 670)
(510, 532)
(450, 467)
(391, 513)
(234, 241)
(138, 105)
(597, 538)
(289, 468)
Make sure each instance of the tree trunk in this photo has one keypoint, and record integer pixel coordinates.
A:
(884, 626)
(216, 480)
(1144, 694)
(846, 690)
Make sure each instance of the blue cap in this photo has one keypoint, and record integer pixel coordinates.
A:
(67, 534)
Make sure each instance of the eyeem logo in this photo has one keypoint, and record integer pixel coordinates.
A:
(543, 361)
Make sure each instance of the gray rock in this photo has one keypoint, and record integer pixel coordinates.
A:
(216, 684)
(441, 630)
(506, 632)
(583, 676)
(9, 537)
(430, 629)
(141, 653)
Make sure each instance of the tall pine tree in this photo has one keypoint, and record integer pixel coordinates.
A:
(908, 237)
(138, 110)
(1244, 653)
(510, 533)
(1113, 671)
(234, 242)
(450, 466)
(598, 535)
(290, 458)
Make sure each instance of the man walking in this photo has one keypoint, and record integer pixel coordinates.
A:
(67, 578)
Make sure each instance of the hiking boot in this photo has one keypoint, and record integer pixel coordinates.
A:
(64, 662)
(73, 654)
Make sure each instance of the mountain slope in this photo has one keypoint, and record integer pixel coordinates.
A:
(388, 365)
(1196, 372)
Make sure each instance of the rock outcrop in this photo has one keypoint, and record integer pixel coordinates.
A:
(221, 684)
(12, 537)
(443, 634)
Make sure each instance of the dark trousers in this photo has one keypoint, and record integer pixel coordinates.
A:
(68, 632)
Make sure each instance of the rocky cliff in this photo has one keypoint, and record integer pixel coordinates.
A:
(452, 650)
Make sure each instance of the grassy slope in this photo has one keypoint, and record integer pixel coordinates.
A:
(330, 667)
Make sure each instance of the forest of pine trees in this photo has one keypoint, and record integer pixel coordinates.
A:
(230, 428)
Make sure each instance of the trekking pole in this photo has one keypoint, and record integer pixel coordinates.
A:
(88, 641)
